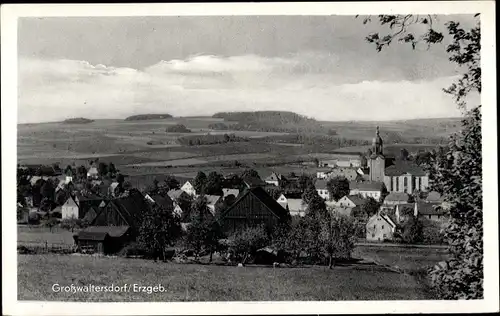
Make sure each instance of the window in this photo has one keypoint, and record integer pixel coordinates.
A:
(382, 226)
(405, 184)
(385, 236)
(374, 226)
(373, 235)
(430, 216)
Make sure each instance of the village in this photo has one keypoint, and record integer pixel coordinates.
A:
(386, 199)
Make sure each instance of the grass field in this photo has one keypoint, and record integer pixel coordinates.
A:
(40, 235)
(189, 282)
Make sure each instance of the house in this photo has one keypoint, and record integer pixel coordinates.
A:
(380, 227)
(124, 211)
(395, 198)
(164, 202)
(323, 173)
(367, 189)
(407, 177)
(93, 173)
(432, 211)
(188, 188)
(227, 192)
(77, 206)
(212, 200)
(340, 159)
(253, 182)
(254, 207)
(322, 189)
(112, 191)
(434, 197)
(177, 194)
(347, 204)
(296, 206)
(103, 239)
(275, 179)
(350, 174)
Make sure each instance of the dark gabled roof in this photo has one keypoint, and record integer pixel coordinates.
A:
(261, 195)
(163, 201)
(430, 209)
(357, 200)
(254, 182)
(402, 167)
(101, 232)
(130, 207)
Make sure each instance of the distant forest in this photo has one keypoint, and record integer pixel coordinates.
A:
(141, 117)
(269, 121)
(77, 120)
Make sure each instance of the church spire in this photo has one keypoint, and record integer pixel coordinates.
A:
(378, 143)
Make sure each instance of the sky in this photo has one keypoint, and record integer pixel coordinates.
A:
(318, 66)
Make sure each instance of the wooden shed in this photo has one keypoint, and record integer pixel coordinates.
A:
(103, 239)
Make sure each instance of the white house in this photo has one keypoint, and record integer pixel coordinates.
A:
(323, 173)
(188, 188)
(380, 227)
(322, 189)
(367, 189)
(70, 208)
(93, 173)
(275, 179)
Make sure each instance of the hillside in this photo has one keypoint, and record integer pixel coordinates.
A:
(142, 117)
(268, 121)
(77, 120)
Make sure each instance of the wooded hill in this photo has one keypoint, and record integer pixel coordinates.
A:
(141, 117)
(77, 120)
(269, 121)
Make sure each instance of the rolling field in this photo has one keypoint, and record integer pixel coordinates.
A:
(190, 282)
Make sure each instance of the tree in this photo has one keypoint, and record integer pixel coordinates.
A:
(103, 168)
(214, 184)
(120, 179)
(316, 207)
(457, 172)
(200, 182)
(309, 193)
(47, 190)
(112, 170)
(204, 233)
(305, 181)
(316, 161)
(159, 229)
(412, 230)
(72, 223)
(337, 235)
(51, 223)
(82, 172)
(370, 208)
(338, 187)
(245, 243)
(171, 183)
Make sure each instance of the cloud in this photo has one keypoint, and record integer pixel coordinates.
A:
(309, 83)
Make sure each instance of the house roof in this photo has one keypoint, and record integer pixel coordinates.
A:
(175, 194)
(388, 220)
(349, 173)
(357, 200)
(274, 177)
(261, 195)
(212, 199)
(131, 206)
(254, 182)
(93, 170)
(398, 197)
(402, 167)
(320, 184)
(163, 201)
(101, 232)
(295, 205)
(367, 185)
(430, 209)
(434, 196)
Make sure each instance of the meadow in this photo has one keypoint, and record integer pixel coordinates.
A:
(194, 282)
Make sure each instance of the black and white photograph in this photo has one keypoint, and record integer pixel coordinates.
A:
(172, 154)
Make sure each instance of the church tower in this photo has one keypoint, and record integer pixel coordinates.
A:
(376, 161)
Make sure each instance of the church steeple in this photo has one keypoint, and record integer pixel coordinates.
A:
(378, 144)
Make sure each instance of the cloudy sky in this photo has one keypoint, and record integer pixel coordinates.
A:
(319, 66)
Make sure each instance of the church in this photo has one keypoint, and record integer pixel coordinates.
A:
(398, 176)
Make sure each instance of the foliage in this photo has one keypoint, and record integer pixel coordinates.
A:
(405, 155)
(177, 128)
(159, 229)
(309, 193)
(316, 207)
(412, 230)
(370, 207)
(245, 243)
(140, 117)
(213, 185)
(204, 233)
(249, 173)
(199, 182)
(102, 168)
(133, 249)
(51, 223)
(72, 223)
(456, 172)
(337, 235)
(338, 187)
(210, 139)
(33, 218)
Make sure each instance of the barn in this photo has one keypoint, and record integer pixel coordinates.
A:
(103, 239)
(253, 208)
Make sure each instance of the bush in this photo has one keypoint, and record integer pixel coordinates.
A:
(34, 218)
(246, 242)
(133, 250)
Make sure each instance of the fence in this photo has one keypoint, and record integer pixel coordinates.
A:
(45, 247)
